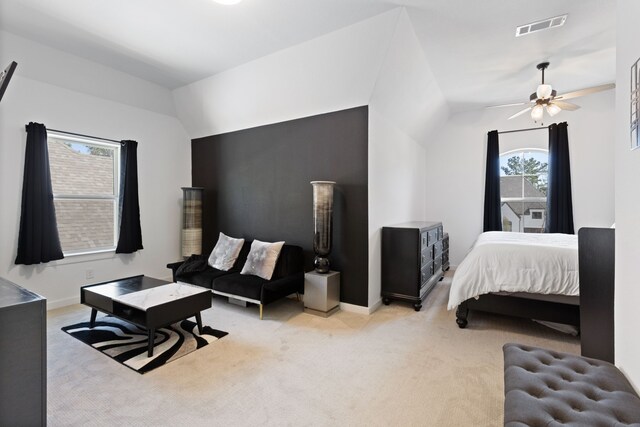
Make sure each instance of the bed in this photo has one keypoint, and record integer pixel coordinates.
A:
(519, 274)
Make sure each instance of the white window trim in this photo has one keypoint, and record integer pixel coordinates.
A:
(519, 150)
(115, 197)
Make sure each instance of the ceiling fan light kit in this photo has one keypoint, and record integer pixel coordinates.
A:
(537, 112)
(546, 98)
(553, 109)
(544, 91)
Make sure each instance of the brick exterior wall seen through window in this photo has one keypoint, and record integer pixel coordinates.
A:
(82, 224)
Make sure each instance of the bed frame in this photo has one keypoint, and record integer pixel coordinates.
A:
(594, 315)
(520, 307)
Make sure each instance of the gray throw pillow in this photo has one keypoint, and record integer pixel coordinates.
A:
(262, 259)
(224, 255)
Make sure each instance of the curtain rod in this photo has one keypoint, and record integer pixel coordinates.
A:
(522, 130)
(82, 135)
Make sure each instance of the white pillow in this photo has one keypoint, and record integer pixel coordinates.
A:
(262, 259)
(224, 255)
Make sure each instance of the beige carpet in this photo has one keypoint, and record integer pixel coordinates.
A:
(393, 368)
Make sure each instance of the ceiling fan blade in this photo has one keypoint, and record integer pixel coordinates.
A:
(507, 105)
(566, 106)
(519, 113)
(586, 91)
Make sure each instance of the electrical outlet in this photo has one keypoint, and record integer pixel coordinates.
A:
(89, 274)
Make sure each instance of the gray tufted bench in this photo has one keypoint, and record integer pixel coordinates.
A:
(547, 388)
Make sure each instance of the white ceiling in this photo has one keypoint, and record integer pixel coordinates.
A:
(471, 45)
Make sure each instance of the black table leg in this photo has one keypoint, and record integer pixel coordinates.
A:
(199, 320)
(92, 322)
(152, 335)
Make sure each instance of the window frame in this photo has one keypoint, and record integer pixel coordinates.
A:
(116, 188)
(525, 199)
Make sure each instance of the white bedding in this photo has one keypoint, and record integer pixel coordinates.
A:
(517, 262)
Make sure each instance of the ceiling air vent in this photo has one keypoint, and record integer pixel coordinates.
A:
(545, 24)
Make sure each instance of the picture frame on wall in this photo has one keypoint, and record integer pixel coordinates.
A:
(6, 76)
(635, 105)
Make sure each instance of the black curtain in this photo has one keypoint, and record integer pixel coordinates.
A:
(492, 213)
(38, 240)
(559, 204)
(130, 238)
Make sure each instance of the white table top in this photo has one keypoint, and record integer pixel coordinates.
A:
(159, 295)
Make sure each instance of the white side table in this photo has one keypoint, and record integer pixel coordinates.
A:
(322, 293)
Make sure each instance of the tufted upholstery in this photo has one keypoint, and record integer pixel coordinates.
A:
(546, 388)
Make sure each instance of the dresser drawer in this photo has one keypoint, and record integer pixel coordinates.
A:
(424, 240)
(437, 264)
(437, 250)
(426, 257)
(440, 233)
(433, 236)
(426, 273)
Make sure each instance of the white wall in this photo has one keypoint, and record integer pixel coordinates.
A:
(330, 73)
(627, 166)
(43, 63)
(457, 156)
(397, 179)
(406, 107)
(163, 166)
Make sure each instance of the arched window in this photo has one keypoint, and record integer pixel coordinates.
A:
(523, 190)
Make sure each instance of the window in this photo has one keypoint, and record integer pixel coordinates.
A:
(85, 180)
(523, 190)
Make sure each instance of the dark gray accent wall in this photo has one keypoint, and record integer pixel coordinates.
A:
(257, 186)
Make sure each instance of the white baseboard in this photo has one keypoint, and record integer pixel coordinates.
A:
(52, 305)
(352, 308)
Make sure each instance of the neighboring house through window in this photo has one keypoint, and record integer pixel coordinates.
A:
(85, 180)
(523, 190)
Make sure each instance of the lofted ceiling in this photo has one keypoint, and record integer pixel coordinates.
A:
(470, 45)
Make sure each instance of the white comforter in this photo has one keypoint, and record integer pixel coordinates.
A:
(517, 262)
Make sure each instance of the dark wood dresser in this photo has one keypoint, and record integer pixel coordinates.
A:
(23, 357)
(412, 261)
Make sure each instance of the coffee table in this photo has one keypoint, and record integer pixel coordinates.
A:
(146, 302)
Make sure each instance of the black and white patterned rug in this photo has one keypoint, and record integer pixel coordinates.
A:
(127, 344)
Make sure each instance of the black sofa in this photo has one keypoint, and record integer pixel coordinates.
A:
(287, 279)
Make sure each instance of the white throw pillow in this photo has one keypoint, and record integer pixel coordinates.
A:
(224, 255)
(262, 259)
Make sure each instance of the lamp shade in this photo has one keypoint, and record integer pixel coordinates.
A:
(553, 109)
(191, 221)
(537, 112)
(544, 91)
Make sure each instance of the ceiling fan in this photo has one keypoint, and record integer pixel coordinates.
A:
(546, 98)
